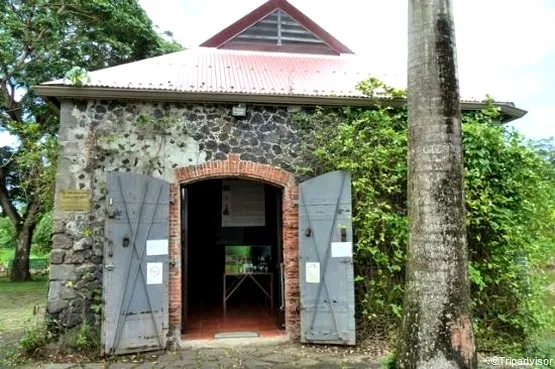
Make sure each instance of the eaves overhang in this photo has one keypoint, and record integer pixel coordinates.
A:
(55, 94)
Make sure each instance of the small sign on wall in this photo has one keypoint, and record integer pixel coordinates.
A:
(312, 272)
(74, 200)
(341, 249)
(156, 247)
(154, 273)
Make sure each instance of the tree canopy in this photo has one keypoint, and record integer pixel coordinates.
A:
(41, 40)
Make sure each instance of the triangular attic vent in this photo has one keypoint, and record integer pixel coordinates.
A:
(278, 28)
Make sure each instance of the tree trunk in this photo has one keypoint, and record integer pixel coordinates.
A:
(20, 270)
(436, 328)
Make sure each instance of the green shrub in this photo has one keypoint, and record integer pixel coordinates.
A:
(7, 233)
(510, 197)
(83, 338)
(510, 202)
(42, 236)
(35, 338)
(389, 362)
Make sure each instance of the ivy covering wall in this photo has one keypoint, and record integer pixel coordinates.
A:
(510, 201)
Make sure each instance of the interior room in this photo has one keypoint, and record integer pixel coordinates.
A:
(232, 259)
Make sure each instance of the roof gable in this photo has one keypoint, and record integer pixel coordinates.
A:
(277, 26)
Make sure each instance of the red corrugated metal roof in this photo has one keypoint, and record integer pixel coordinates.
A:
(231, 71)
(256, 75)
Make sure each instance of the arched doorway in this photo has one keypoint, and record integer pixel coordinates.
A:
(201, 238)
(232, 265)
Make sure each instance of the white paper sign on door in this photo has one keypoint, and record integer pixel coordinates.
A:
(341, 249)
(312, 272)
(154, 273)
(156, 247)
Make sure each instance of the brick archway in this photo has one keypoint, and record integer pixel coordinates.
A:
(234, 167)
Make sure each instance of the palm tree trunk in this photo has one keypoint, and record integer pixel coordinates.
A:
(437, 328)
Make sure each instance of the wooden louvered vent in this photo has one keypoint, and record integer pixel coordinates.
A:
(278, 28)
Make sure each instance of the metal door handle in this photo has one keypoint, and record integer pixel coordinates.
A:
(110, 210)
(110, 248)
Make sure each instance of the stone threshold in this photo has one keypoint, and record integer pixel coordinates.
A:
(232, 342)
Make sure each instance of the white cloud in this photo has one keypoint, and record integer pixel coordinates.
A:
(194, 21)
(502, 44)
(538, 123)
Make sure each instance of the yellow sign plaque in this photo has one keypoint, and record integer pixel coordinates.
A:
(74, 200)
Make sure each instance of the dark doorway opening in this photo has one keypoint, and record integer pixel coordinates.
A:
(231, 235)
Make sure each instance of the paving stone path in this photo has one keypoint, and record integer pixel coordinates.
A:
(276, 357)
(284, 356)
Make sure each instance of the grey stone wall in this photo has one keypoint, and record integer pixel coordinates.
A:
(145, 138)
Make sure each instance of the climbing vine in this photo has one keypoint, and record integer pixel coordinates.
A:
(510, 197)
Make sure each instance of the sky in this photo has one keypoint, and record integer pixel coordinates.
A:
(505, 48)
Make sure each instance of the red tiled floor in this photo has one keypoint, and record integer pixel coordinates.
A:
(195, 336)
(205, 322)
(271, 333)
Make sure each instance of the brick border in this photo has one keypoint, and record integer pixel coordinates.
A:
(234, 167)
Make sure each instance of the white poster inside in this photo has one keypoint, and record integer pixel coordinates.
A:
(243, 204)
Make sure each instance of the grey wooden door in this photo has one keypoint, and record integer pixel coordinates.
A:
(135, 278)
(326, 262)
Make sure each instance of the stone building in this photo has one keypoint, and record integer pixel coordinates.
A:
(166, 161)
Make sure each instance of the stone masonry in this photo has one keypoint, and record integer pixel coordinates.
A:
(162, 140)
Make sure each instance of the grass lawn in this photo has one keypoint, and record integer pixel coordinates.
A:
(17, 301)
